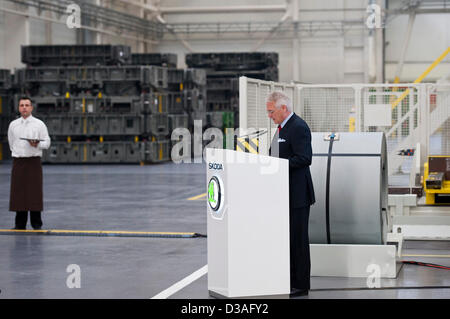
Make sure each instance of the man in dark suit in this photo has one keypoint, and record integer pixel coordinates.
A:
(293, 142)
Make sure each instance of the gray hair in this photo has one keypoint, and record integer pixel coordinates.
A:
(279, 98)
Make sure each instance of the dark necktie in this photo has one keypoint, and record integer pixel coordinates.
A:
(279, 129)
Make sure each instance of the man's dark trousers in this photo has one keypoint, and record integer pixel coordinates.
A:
(299, 248)
(22, 218)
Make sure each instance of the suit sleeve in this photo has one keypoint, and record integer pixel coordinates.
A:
(301, 147)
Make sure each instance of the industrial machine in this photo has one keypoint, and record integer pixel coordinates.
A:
(340, 216)
(436, 180)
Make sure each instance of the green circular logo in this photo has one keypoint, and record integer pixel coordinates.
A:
(214, 193)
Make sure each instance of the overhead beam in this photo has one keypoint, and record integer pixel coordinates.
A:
(20, 13)
(223, 9)
(417, 11)
(103, 15)
(282, 20)
(141, 5)
(258, 8)
(184, 42)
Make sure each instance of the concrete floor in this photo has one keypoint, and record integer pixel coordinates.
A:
(149, 198)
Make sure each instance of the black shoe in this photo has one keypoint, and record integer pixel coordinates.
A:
(37, 228)
(298, 292)
(17, 228)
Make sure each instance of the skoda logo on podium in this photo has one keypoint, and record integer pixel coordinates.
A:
(215, 197)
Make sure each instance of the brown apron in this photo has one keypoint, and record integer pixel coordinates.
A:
(26, 185)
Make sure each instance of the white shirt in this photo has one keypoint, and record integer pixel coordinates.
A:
(31, 128)
(286, 119)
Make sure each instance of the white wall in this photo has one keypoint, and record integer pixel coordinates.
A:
(430, 38)
(59, 32)
(323, 57)
(13, 34)
(17, 30)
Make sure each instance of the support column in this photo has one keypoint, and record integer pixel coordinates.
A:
(424, 112)
(295, 42)
(379, 47)
(398, 71)
(49, 29)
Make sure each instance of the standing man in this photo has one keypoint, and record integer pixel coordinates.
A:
(293, 142)
(27, 137)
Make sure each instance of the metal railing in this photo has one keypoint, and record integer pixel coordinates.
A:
(421, 117)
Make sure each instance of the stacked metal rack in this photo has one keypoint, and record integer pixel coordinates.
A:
(186, 90)
(6, 116)
(160, 59)
(98, 107)
(187, 97)
(223, 72)
(60, 55)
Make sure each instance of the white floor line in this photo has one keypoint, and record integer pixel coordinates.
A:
(182, 283)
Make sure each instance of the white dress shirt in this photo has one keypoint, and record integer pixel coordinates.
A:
(31, 128)
(286, 119)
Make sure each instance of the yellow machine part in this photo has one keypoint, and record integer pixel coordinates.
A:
(430, 194)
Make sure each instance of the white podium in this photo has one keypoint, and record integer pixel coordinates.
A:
(247, 224)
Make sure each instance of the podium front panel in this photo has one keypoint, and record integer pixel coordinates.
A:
(248, 231)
